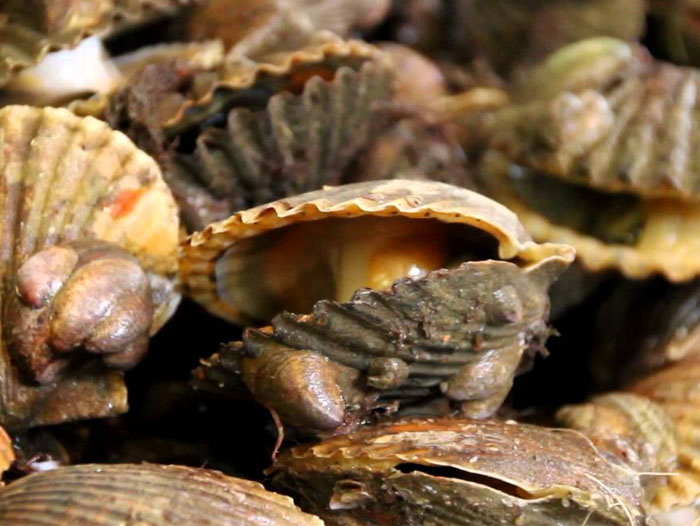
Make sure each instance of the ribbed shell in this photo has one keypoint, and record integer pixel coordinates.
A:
(668, 244)
(417, 199)
(632, 132)
(29, 31)
(147, 495)
(296, 144)
(455, 471)
(65, 178)
(677, 390)
(7, 454)
(272, 71)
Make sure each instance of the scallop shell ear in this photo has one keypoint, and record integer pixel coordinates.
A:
(27, 33)
(145, 494)
(296, 144)
(65, 179)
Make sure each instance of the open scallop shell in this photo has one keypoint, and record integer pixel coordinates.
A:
(29, 31)
(417, 199)
(632, 130)
(63, 179)
(147, 495)
(460, 472)
(665, 240)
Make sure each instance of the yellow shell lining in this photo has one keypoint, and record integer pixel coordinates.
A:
(415, 199)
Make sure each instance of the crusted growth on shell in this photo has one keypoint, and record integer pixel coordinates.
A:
(633, 129)
(144, 494)
(29, 32)
(461, 472)
(64, 180)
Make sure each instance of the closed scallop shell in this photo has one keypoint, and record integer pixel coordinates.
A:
(29, 31)
(65, 179)
(638, 237)
(297, 143)
(147, 495)
(632, 130)
(411, 199)
(456, 471)
(676, 389)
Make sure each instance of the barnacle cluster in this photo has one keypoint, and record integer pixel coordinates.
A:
(349, 262)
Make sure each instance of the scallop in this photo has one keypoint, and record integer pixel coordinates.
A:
(90, 234)
(459, 472)
(416, 290)
(147, 495)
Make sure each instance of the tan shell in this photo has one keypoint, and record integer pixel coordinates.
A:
(65, 179)
(415, 199)
(147, 495)
(7, 454)
(669, 243)
(28, 34)
(677, 390)
(424, 471)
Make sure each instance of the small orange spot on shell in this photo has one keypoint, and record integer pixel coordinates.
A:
(126, 201)
(298, 79)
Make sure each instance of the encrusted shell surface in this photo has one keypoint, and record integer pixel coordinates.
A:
(29, 31)
(638, 237)
(67, 179)
(455, 471)
(147, 495)
(297, 143)
(411, 199)
(633, 129)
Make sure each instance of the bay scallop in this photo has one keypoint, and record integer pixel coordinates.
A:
(263, 130)
(416, 290)
(90, 234)
(147, 495)
(458, 472)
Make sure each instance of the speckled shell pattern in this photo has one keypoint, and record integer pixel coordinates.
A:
(144, 494)
(418, 199)
(456, 471)
(65, 178)
(29, 31)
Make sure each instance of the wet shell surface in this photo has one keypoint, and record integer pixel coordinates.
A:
(297, 143)
(147, 495)
(206, 277)
(73, 190)
(455, 471)
(630, 128)
(28, 33)
(638, 237)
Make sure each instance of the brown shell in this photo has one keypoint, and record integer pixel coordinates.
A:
(638, 237)
(67, 179)
(147, 495)
(456, 471)
(632, 130)
(29, 32)
(416, 199)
